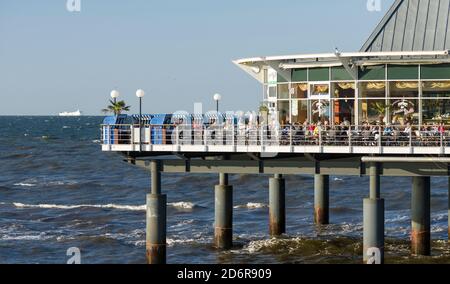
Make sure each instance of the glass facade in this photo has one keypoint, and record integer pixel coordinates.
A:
(395, 94)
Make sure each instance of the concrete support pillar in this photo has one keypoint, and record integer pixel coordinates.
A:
(223, 231)
(277, 206)
(420, 211)
(322, 199)
(373, 247)
(156, 219)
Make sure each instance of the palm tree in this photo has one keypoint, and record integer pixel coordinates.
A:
(379, 108)
(116, 107)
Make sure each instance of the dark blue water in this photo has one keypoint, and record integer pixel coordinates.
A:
(58, 190)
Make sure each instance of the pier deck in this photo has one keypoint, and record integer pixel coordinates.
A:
(271, 142)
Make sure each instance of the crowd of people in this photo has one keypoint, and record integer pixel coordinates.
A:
(375, 134)
(253, 133)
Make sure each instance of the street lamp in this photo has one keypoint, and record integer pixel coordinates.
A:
(114, 95)
(140, 94)
(217, 98)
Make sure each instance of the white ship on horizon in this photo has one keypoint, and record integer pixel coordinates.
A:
(75, 113)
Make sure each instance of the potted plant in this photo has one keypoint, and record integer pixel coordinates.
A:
(380, 109)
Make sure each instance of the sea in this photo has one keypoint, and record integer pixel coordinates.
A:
(59, 191)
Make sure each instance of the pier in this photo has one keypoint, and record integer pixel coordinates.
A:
(321, 167)
(383, 111)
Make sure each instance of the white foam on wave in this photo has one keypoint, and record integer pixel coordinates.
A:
(179, 205)
(32, 237)
(25, 184)
(186, 241)
(183, 223)
(96, 141)
(260, 245)
(252, 205)
(182, 205)
(68, 207)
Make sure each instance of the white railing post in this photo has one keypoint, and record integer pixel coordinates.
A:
(261, 132)
(291, 133)
(320, 135)
(410, 139)
(350, 137)
(380, 138)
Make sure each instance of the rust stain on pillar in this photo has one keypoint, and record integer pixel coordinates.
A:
(420, 243)
(156, 254)
(223, 238)
(320, 216)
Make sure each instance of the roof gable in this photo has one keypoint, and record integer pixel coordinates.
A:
(412, 25)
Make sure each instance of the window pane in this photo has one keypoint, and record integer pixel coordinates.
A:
(320, 110)
(372, 73)
(344, 90)
(299, 111)
(319, 90)
(403, 111)
(372, 90)
(403, 89)
(344, 110)
(438, 89)
(300, 91)
(281, 79)
(300, 75)
(283, 91)
(272, 92)
(441, 71)
(372, 111)
(283, 112)
(399, 72)
(319, 74)
(436, 111)
(340, 74)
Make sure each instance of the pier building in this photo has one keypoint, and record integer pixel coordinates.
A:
(379, 112)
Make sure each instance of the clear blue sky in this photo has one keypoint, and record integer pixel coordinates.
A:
(179, 51)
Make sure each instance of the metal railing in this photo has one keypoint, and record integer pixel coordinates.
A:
(248, 135)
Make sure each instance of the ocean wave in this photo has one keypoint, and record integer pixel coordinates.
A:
(252, 205)
(182, 205)
(188, 241)
(179, 205)
(69, 207)
(35, 182)
(31, 237)
(25, 184)
(181, 224)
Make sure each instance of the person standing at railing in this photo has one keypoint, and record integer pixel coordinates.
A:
(316, 133)
(388, 134)
(407, 132)
(376, 133)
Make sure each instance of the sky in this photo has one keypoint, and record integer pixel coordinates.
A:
(180, 52)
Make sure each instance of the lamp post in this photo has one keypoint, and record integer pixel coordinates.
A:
(140, 94)
(217, 98)
(114, 95)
